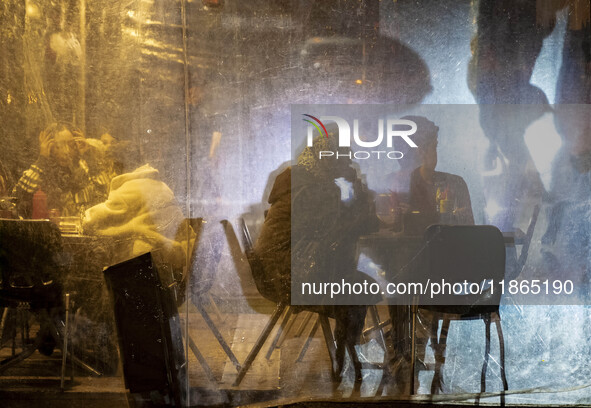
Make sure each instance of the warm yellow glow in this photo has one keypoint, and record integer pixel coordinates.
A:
(32, 11)
(130, 31)
(8, 99)
(359, 82)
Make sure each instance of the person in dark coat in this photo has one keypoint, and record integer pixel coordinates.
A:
(331, 209)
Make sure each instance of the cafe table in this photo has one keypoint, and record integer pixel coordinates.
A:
(84, 257)
(394, 252)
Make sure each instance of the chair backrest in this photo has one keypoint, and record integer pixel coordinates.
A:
(205, 256)
(148, 327)
(465, 253)
(246, 237)
(265, 284)
(30, 260)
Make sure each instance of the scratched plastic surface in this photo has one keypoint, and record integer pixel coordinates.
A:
(201, 91)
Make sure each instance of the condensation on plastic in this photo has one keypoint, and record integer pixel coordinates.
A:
(122, 67)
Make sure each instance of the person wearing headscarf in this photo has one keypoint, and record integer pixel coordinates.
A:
(430, 197)
(62, 173)
(319, 208)
(436, 194)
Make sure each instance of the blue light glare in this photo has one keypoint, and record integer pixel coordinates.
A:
(543, 142)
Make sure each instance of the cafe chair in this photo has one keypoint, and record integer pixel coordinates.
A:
(149, 333)
(30, 269)
(377, 325)
(256, 267)
(281, 307)
(205, 258)
(517, 238)
(475, 253)
(286, 316)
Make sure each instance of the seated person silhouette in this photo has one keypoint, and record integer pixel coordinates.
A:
(428, 197)
(143, 212)
(331, 209)
(62, 173)
(273, 246)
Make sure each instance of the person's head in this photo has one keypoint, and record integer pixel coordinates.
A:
(64, 150)
(108, 140)
(327, 165)
(426, 140)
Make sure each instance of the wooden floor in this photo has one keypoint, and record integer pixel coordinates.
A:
(35, 381)
(281, 379)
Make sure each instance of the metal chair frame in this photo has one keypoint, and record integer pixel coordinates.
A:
(487, 312)
(44, 239)
(198, 299)
(280, 308)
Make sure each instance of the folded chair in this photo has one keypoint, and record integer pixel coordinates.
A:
(475, 253)
(149, 333)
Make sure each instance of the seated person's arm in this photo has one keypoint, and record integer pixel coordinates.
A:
(463, 211)
(31, 179)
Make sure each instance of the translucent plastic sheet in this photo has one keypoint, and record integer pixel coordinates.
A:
(174, 120)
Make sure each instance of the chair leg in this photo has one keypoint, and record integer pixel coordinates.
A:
(304, 323)
(308, 340)
(14, 360)
(15, 320)
(2, 310)
(7, 327)
(22, 320)
(330, 343)
(29, 349)
(217, 334)
(502, 353)
(339, 357)
(46, 324)
(375, 318)
(486, 355)
(83, 365)
(215, 308)
(287, 330)
(282, 326)
(439, 347)
(27, 328)
(412, 349)
(55, 333)
(201, 360)
(259, 343)
(356, 363)
(65, 341)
